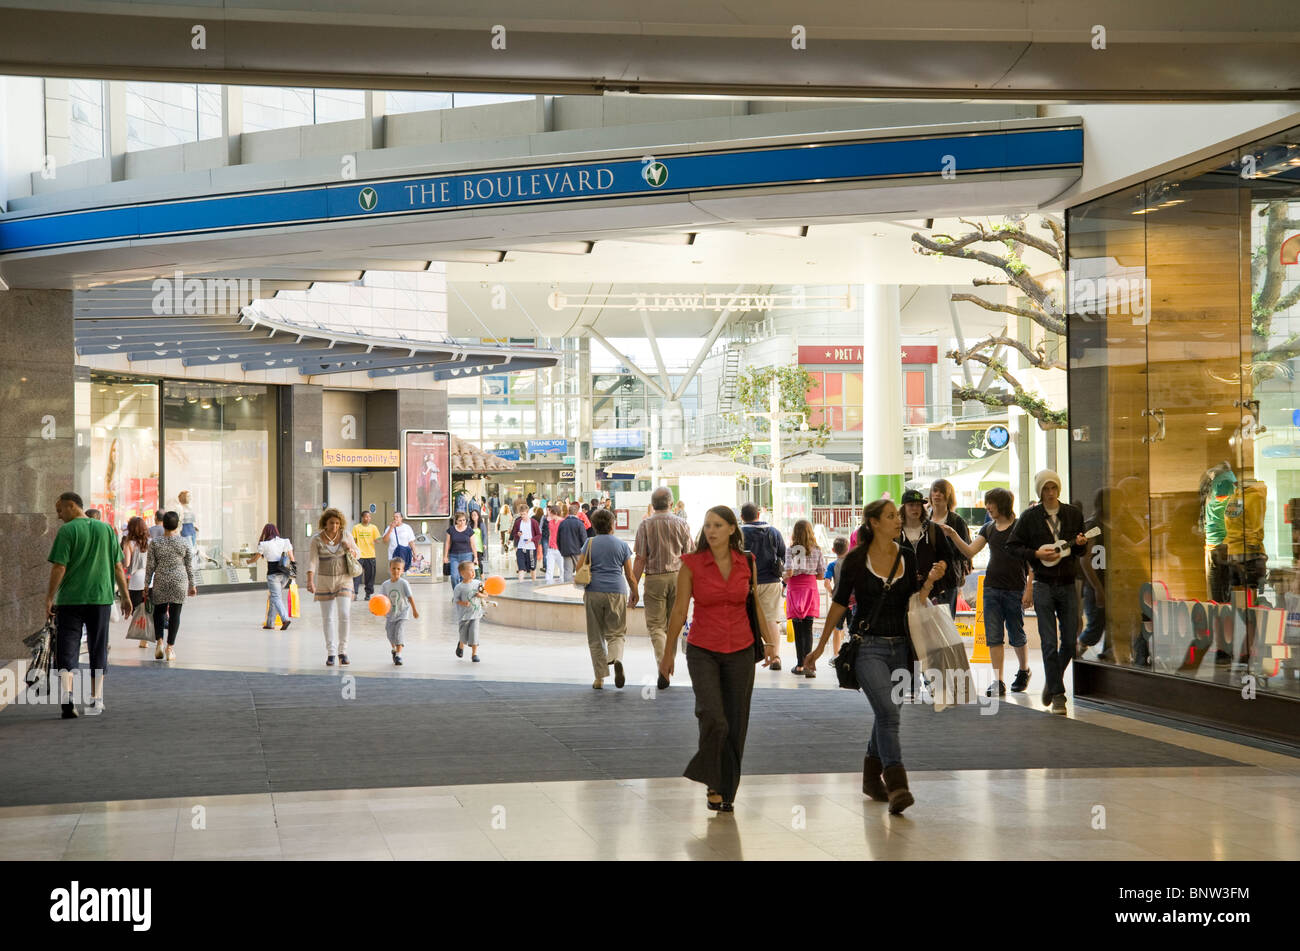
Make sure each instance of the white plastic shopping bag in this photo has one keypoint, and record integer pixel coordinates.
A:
(941, 653)
(141, 626)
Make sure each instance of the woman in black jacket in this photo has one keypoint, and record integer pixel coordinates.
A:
(928, 544)
(943, 511)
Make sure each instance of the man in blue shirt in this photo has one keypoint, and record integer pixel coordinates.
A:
(768, 549)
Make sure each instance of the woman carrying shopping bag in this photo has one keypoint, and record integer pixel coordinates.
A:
(882, 576)
(278, 552)
(135, 548)
(331, 567)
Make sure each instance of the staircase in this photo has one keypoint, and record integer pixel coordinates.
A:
(730, 377)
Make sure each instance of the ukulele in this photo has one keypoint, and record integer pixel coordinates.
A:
(1062, 547)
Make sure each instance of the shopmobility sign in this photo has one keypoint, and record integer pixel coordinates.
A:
(984, 151)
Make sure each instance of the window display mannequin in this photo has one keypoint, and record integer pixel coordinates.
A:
(1233, 521)
(189, 524)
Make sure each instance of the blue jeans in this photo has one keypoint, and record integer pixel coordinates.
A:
(455, 559)
(1003, 616)
(950, 599)
(878, 658)
(1058, 627)
(275, 585)
(1094, 614)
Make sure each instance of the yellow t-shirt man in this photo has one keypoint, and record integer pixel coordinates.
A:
(365, 536)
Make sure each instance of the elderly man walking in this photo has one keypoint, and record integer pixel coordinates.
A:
(660, 541)
(85, 562)
(572, 538)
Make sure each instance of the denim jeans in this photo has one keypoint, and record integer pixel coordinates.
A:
(1058, 626)
(1094, 613)
(1003, 617)
(276, 585)
(878, 658)
(455, 561)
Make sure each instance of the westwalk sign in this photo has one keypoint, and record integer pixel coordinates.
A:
(990, 150)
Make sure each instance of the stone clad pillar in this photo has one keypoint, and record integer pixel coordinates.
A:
(37, 443)
(882, 394)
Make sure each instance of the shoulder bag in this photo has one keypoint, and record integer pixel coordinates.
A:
(582, 577)
(844, 662)
(751, 609)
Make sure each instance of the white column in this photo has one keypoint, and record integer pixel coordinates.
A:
(882, 393)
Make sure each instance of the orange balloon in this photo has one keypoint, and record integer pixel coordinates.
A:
(494, 584)
(380, 605)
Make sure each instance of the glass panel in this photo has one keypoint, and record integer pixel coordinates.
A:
(123, 449)
(1110, 425)
(339, 105)
(209, 104)
(160, 114)
(273, 107)
(416, 101)
(219, 451)
(85, 119)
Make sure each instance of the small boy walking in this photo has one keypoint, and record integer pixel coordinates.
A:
(469, 608)
(398, 592)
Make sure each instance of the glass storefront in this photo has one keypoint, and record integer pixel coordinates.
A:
(150, 441)
(1183, 303)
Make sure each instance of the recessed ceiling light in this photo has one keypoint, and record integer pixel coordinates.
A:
(697, 262)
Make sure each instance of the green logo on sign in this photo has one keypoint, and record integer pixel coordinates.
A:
(655, 174)
(368, 199)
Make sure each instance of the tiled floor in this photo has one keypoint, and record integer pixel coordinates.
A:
(1251, 811)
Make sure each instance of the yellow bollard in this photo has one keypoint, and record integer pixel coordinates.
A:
(981, 653)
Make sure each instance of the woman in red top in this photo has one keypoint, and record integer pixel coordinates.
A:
(719, 653)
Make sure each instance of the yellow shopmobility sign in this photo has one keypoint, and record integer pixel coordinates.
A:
(370, 458)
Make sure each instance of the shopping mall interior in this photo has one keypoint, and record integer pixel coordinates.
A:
(254, 282)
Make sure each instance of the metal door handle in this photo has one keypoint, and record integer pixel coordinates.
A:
(1159, 414)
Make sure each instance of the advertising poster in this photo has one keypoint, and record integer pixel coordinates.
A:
(426, 474)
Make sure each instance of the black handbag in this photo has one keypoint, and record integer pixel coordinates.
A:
(751, 609)
(844, 661)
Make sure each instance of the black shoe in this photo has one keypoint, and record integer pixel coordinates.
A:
(284, 625)
(343, 659)
(727, 807)
(460, 651)
(1021, 682)
(776, 665)
(1047, 696)
(397, 660)
(70, 711)
(619, 679)
(662, 682)
(329, 661)
(996, 689)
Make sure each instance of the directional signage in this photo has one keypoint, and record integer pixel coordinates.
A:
(511, 454)
(993, 150)
(617, 438)
(547, 445)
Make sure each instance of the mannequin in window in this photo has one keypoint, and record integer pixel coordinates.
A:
(1218, 487)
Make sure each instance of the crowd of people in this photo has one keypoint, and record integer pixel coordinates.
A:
(719, 593)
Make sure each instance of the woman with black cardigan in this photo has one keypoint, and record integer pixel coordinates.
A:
(927, 543)
(883, 576)
(943, 505)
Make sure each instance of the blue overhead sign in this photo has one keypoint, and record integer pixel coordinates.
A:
(616, 439)
(989, 150)
(547, 445)
(511, 454)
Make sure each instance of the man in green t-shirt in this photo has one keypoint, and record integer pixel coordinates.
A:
(85, 561)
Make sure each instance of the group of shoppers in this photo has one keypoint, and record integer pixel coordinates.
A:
(160, 571)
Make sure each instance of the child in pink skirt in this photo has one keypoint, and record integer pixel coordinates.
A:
(805, 565)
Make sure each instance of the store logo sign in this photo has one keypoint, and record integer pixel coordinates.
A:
(1106, 298)
(178, 294)
(655, 174)
(368, 199)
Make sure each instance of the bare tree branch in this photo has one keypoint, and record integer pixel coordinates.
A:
(1050, 318)
(1037, 358)
(1000, 308)
(1048, 419)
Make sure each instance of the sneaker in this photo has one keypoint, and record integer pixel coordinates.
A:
(475, 658)
(460, 651)
(776, 665)
(598, 683)
(1021, 682)
(343, 659)
(996, 689)
(1058, 704)
(94, 708)
(267, 627)
(70, 711)
(619, 679)
(284, 626)
(396, 660)
(158, 650)
(1047, 696)
(329, 661)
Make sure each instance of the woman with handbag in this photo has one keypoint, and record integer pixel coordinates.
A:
(728, 631)
(882, 574)
(458, 546)
(605, 570)
(135, 547)
(331, 565)
(278, 553)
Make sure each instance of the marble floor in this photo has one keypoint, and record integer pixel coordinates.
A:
(1246, 811)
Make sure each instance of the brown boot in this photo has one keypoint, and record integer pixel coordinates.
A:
(871, 783)
(899, 795)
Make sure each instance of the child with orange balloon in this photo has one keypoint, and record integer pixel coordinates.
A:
(469, 608)
(395, 601)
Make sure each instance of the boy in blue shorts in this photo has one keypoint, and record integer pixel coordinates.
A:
(469, 608)
(398, 592)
